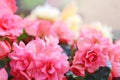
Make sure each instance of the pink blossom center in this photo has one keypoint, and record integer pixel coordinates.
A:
(48, 69)
(6, 23)
(91, 56)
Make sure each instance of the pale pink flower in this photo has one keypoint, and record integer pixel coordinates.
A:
(3, 74)
(38, 28)
(5, 48)
(90, 55)
(7, 7)
(63, 33)
(4, 8)
(42, 28)
(11, 26)
(89, 37)
(11, 4)
(38, 60)
(31, 26)
(90, 32)
(52, 41)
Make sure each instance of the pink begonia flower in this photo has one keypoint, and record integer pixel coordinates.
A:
(11, 4)
(38, 28)
(38, 60)
(7, 7)
(11, 26)
(62, 32)
(51, 41)
(113, 53)
(31, 26)
(4, 49)
(89, 56)
(20, 60)
(3, 74)
(4, 8)
(42, 28)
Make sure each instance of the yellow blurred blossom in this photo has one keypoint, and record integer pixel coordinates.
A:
(71, 17)
(69, 10)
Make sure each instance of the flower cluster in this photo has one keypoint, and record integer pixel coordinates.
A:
(43, 47)
(38, 60)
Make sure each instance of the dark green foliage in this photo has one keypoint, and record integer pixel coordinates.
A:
(71, 76)
(67, 49)
(4, 61)
(101, 74)
(25, 37)
(22, 36)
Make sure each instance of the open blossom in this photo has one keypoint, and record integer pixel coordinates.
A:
(19, 61)
(38, 60)
(4, 49)
(11, 26)
(49, 66)
(89, 56)
(3, 74)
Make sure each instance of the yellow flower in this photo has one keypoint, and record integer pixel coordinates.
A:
(71, 17)
(69, 10)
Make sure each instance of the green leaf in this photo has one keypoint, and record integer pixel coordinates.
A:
(22, 36)
(4, 61)
(25, 37)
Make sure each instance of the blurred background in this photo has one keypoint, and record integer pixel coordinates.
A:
(105, 11)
